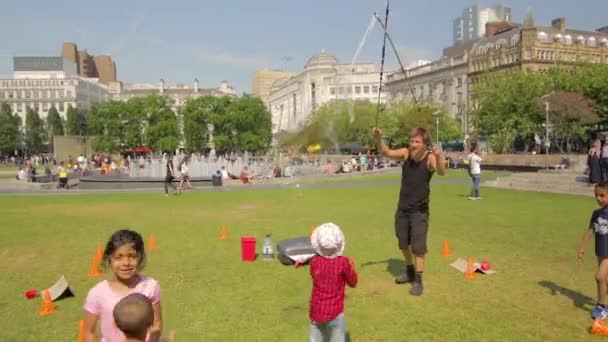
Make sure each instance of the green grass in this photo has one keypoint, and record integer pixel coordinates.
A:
(395, 175)
(210, 295)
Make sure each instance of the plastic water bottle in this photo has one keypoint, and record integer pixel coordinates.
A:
(267, 249)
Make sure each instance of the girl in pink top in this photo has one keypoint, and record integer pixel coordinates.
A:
(125, 257)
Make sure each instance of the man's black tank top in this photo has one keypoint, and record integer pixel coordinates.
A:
(415, 188)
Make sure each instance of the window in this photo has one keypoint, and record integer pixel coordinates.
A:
(332, 90)
(45, 107)
(375, 89)
(357, 89)
(19, 107)
(365, 89)
(558, 38)
(61, 108)
(294, 102)
(459, 82)
(313, 90)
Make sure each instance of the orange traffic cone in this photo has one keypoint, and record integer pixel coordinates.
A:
(99, 254)
(223, 233)
(47, 307)
(151, 243)
(81, 331)
(599, 327)
(446, 249)
(94, 270)
(470, 272)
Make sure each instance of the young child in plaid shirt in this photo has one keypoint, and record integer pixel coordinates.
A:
(330, 272)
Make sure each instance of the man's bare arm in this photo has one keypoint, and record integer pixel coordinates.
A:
(401, 153)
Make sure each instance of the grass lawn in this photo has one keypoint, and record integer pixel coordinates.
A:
(395, 175)
(539, 293)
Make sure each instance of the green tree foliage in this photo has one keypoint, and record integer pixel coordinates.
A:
(34, 131)
(54, 124)
(505, 104)
(9, 130)
(106, 124)
(242, 124)
(76, 122)
(342, 123)
(162, 132)
(197, 117)
(252, 124)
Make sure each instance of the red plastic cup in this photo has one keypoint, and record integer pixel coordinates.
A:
(248, 248)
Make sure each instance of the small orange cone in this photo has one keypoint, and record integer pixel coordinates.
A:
(99, 254)
(81, 331)
(599, 327)
(470, 272)
(223, 233)
(47, 307)
(94, 270)
(446, 249)
(151, 243)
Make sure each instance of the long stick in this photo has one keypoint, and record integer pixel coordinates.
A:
(385, 25)
(387, 36)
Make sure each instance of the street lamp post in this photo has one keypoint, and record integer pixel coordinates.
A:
(547, 141)
(436, 115)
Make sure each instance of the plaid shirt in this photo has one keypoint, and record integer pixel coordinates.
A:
(329, 276)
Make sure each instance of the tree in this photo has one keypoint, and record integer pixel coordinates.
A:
(54, 124)
(70, 122)
(343, 123)
(135, 122)
(104, 121)
(34, 131)
(503, 106)
(162, 132)
(197, 115)
(252, 124)
(9, 130)
(404, 116)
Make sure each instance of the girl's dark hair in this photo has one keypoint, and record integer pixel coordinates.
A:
(124, 237)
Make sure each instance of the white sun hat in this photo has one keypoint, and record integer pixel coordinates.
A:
(328, 240)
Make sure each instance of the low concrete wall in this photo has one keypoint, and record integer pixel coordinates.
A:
(578, 162)
(125, 182)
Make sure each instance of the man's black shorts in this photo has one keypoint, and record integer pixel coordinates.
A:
(411, 229)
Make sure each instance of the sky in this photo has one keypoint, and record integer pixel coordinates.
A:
(215, 40)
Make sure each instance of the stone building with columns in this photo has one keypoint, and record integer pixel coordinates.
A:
(39, 83)
(536, 48)
(293, 99)
(179, 93)
(443, 81)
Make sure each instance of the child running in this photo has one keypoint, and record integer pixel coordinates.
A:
(599, 225)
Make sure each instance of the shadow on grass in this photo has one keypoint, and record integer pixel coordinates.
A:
(578, 299)
(348, 337)
(394, 266)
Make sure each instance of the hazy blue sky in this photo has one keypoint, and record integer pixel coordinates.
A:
(230, 39)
